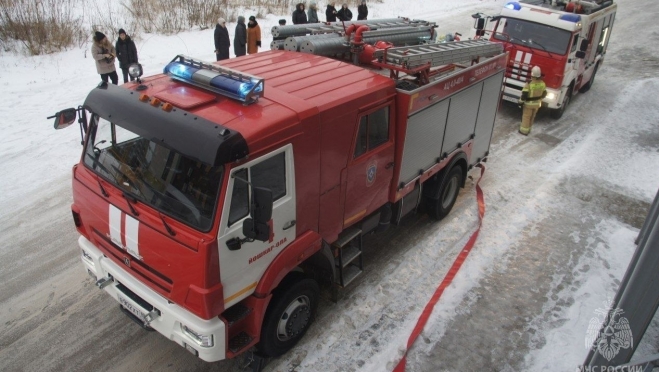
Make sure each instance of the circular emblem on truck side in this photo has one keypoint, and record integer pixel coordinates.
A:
(371, 171)
(127, 261)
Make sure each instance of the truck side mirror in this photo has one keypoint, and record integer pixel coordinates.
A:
(584, 45)
(479, 25)
(64, 118)
(580, 54)
(257, 227)
(261, 209)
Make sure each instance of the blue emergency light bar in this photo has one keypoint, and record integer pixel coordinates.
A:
(513, 5)
(231, 83)
(574, 18)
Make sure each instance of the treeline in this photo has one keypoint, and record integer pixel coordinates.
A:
(46, 26)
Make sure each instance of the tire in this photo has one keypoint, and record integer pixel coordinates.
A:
(588, 85)
(558, 113)
(289, 316)
(448, 194)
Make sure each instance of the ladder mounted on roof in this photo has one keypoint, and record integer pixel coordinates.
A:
(219, 79)
(419, 59)
(439, 54)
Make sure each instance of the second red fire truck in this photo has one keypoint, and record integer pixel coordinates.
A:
(566, 39)
(215, 199)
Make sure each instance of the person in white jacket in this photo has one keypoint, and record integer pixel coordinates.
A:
(104, 54)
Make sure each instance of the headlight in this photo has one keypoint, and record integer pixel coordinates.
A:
(135, 70)
(551, 96)
(201, 339)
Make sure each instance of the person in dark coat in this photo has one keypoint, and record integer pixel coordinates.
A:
(126, 53)
(344, 14)
(330, 12)
(362, 11)
(222, 42)
(240, 38)
(299, 16)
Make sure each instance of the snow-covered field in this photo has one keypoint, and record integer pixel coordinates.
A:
(564, 206)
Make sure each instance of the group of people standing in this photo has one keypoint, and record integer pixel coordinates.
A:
(331, 14)
(247, 39)
(105, 55)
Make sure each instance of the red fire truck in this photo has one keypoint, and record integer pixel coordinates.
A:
(215, 199)
(566, 39)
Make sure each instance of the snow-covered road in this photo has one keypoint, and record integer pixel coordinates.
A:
(564, 206)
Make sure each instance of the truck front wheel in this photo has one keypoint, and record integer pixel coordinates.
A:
(557, 113)
(288, 317)
(448, 193)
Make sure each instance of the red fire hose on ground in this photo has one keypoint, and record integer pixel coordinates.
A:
(425, 314)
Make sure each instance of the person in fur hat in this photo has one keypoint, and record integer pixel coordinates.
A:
(253, 36)
(104, 54)
(344, 14)
(299, 16)
(126, 53)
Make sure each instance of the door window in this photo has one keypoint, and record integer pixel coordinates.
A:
(373, 131)
(239, 197)
(270, 174)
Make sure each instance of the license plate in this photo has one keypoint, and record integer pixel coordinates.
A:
(130, 307)
(510, 99)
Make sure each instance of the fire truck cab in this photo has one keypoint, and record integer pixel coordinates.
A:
(214, 199)
(566, 39)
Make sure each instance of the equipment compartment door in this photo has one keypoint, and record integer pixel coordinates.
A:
(487, 111)
(241, 269)
(369, 173)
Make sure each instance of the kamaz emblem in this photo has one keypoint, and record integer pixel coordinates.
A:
(127, 261)
(371, 171)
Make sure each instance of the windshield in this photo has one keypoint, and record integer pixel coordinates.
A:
(533, 35)
(164, 179)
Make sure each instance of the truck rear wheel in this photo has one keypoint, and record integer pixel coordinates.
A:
(288, 317)
(448, 193)
(557, 113)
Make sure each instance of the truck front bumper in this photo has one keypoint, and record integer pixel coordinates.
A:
(204, 338)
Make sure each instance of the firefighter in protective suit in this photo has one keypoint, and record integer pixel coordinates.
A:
(532, 94)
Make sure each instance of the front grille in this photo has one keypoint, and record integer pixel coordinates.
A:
(136, 266)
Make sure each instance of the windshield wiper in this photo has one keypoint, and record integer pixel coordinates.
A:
(105, 193)
(131, 199)
(169, 229)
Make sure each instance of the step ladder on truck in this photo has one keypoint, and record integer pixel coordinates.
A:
(215, 199)
(568, 40)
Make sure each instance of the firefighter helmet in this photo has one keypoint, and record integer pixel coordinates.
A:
(535, 72)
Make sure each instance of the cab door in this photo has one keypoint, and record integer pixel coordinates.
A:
(370, 170)
(241, 269)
